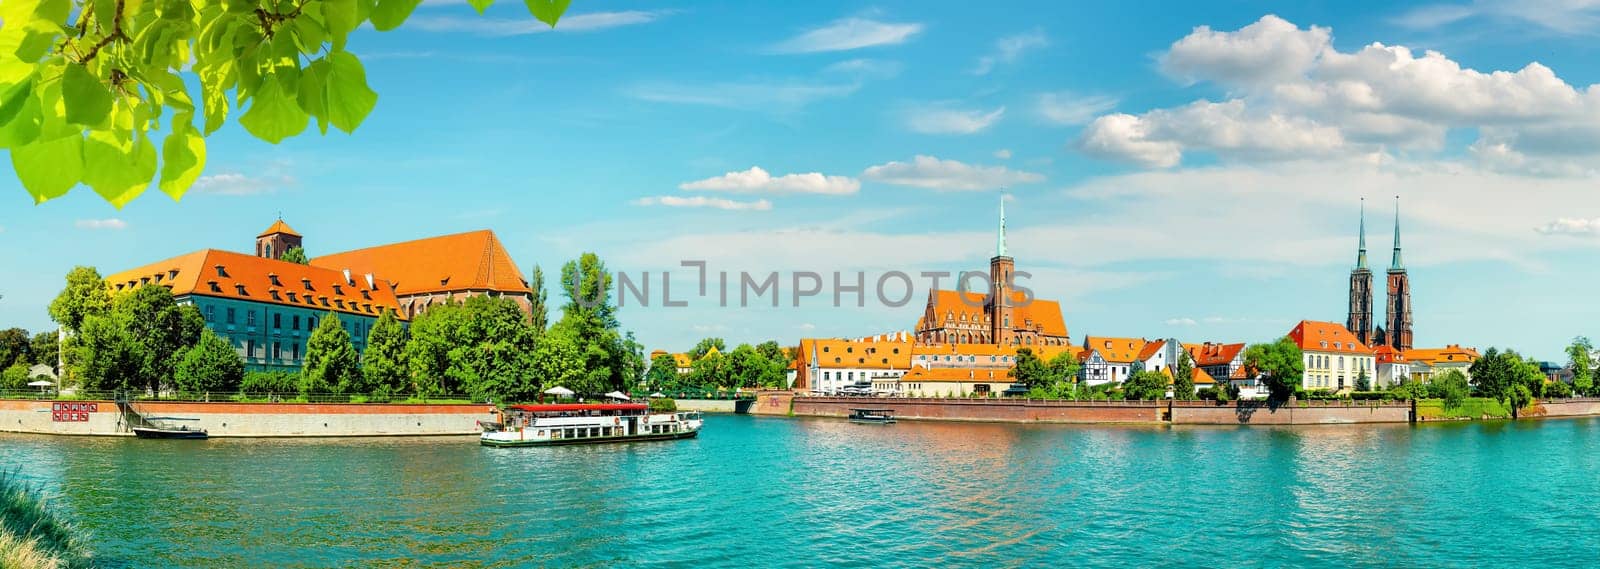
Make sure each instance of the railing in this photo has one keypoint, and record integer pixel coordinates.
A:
(234, 397)
(699, 394)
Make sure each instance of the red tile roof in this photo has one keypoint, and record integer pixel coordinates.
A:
(957, 374)
(949, 307)
(1314, 336)
(471, 261)
(834, 353)
(279, 227)
(224, 274)
(1209, 354)
(1115, 350)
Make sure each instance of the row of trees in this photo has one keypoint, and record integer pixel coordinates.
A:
(486, 347)
(712, 365)
(19, 352)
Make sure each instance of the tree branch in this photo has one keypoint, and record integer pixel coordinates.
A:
(116, 34)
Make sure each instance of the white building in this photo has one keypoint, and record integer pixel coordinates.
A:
(1334, 358)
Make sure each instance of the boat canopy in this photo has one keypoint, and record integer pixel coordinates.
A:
(564, 407)
(862, 410)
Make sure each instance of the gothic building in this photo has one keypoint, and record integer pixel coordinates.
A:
(1398, 312)
(1003, 316)
(1396, 332)
(276, 240)
(1360, 319)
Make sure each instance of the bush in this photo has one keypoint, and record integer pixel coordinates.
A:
(1557, 389)
(260, 383)
(663, 405)
(1371, 395)
(14, 377)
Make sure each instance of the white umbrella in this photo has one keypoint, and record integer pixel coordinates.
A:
(619, 395)
(558, 391)
(41, 383)
(658, 394)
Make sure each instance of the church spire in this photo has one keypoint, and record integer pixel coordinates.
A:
(1396, 264)
(1361, 257)
(1000, 243)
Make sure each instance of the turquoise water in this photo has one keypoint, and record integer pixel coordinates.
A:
(768, 492)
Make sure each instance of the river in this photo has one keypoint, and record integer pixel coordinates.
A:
(773, 492)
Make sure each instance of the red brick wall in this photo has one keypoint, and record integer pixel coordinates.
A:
(1563, 408)
(1176, 412)
(1297, 413)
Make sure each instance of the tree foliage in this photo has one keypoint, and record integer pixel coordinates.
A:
(295, 255)
(1580, 359)
(612, 360)
(705, 345)
(211, 365)
(1183, 377)
(1145, 385)
(14, 347)
(137, 344)
(85, 294)
(1363, 383)
(482, 347)
(331, 362)
(383, 363)
(45, 348)
(538, 311)
(1280, 365)
(14, 377)
(98, 92)
(663, 373)
(1451, 386)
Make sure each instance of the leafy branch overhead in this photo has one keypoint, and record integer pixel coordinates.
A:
(88, 87)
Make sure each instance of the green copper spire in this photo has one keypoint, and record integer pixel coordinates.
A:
(1361, 258)
(1396, 264)
(1000, 245)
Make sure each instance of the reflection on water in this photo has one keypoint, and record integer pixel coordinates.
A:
(822, 492)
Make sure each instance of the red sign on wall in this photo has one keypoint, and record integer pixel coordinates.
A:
(61, 412)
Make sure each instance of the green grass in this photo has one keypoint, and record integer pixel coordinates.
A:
(34, 537)
(1471, 408)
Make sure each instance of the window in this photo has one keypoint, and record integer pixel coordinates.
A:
(277, 320)
(211, 314)
(294, 350)
(230, 315)
(277, 351)
(274, 279)
(249, 348)
(249, 318)
(296, 322)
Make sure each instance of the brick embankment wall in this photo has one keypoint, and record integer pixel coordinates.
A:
(772, 403)
(248, 419)
(1576, 407)
(999, 410)
(707, 405)
(1296, 413)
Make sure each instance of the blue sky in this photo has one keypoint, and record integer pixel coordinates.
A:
(1174, 169)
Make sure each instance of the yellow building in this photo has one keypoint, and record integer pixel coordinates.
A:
(1334, 358)
(1427, 363)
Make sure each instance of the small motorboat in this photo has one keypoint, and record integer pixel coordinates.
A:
(181, 432)
(872, 416)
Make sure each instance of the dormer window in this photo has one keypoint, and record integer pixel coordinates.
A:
(366, 295)
(214, 286)
(444, 281)
(338, 290)
(144, 280)
(274, 293)
(274, 278)
(339, 302)
(323, 299)
(172, 273)
(306, 283)
(240, 289)
(221, 271)
(119, 286)
(292, 297)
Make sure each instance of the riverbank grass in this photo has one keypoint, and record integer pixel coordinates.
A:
(31, 535)
(1471, 408)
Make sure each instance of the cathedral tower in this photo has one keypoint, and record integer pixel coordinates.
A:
(1398, 313)
(1000, 268)
(276, 240)
(1360, 320)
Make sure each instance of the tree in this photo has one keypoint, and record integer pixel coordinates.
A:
(427, 354)
(1494, 375)
(45, 348)
(295, 255)
(15, 377)
(1064, 370)
(538, 313)
(1451, 386)
(1280, 364)
(161, 329)
(331, 362)
(106, 357)
(1379, 337)
(1029, 370)
(85, 294)
(1409, 390)
(1183, 377)
(383, 363)
(1363, 383)
(704, 347)
(709, 371)
(212, 365)
(557, 360)
(663, 374)
(1580, 360)
(492, 357)
(1145, 385)
(612, 360)
(14, 346)
(88, 85)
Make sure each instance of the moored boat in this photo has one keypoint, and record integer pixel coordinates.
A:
(166, 433)
(872, 416)
(587, 423)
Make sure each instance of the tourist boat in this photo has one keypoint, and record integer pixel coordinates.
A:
(872, 416)
(182, 432)
(587, 423)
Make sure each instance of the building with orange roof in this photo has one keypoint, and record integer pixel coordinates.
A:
(950, 381)
(1218, 360)
(1334, 358)
(278, 239)
(1201, 379)
(1394, 367)
(827, 365)
(1001, 314)
(1110, 360)
(436, 270)
(265, 307)
(1427, 363)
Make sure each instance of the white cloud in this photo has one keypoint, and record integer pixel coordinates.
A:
(1292, 95)
(1003, 154)
(943, 119)
(494, 27)
(807, 326)
(702, 201)
(865, 68)
(1009, 49)
(1561, 16)
(758, 180)
(1181, 322)
(933, 173)
(754, 96)
(109, 223)
(236, 184)
(1070, 109)
(847, 34)
(1571, 226)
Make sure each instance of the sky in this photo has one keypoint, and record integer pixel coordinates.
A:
(1191, 170)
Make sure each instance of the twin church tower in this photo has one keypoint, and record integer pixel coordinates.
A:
(1396, 332)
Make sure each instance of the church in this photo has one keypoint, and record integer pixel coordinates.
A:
(1001, 316)
(1396, 332)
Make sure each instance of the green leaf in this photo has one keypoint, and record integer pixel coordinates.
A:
(48, 169)
(349, 99)
(118, 170)
(548, 11)
(389, 14)
(340, 16)
(88, 100)
(273, 114)
(23, 128)
(12, 98)
(183, 157)
(313, 95)
(480, 5)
